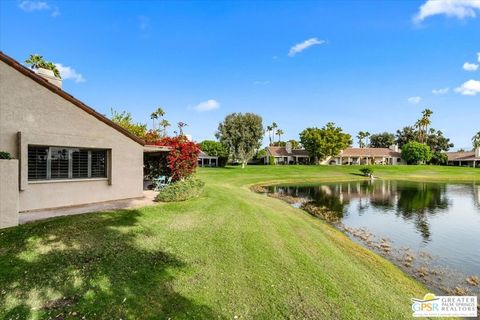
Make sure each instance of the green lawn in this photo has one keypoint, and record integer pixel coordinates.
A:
(229, 253)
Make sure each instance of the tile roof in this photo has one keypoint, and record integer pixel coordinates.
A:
(370, 152)
(282, 152)
(462, 156)
(40, 80)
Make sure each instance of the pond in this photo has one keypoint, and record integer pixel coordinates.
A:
(431, 230)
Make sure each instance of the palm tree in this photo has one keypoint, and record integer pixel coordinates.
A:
(360, 136)
(476, 140)
(269, 130)
(160, 113)
(181, 125)
(279, 134)
(35, 61)
(422, 125)
(164, 123)
(153, 116)
(273, 126)
(367, 134)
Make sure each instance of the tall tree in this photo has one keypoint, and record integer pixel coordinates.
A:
(422, 125)
(164, 124)
(437, 141)
(279, 134)
(181, 125)
(324, 142)
(153, 116)
(361, 137)
(295, 144)
(367, 136)
(269, 130)
(476, 140)
(242, 134)
(382, 140)
(405, 135)
(125, 120)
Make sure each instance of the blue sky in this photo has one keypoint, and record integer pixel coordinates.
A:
(365, 65)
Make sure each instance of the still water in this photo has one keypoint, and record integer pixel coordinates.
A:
(435, 225)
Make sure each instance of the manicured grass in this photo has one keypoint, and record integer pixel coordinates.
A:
(230, 252)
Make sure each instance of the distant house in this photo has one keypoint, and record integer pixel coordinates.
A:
(204, 160)
(368, 156)
(286, 155)
(464, 158)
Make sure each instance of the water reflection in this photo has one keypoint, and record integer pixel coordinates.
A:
(412, 201)
(435, 223)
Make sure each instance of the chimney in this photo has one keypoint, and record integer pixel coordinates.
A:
(288, 147)
(477, 152)
(49, 76)
(394, 147)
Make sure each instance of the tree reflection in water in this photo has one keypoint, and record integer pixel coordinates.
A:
(413, 201)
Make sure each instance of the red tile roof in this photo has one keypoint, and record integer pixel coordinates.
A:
(282, 152)
(370, 152)
(462, 156)
(32, 75)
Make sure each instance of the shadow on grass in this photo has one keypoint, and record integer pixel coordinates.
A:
(92, 266)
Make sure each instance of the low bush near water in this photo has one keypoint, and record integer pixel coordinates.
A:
(181, 190)
(366, 171)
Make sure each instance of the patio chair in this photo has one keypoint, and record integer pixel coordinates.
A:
(159, 181)
(166, 181)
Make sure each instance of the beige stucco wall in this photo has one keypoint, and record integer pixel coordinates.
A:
(8, 193)
(44, 118)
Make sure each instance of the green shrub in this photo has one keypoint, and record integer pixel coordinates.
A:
(366, 171)
(271, 160)
(416, 153)
(439, 158)
(5, 155)
(181, 190)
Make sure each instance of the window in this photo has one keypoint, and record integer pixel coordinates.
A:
(37, 163)
(99, 164)
(399, 160)
(50, 163)
(59, 163)
(80, 163)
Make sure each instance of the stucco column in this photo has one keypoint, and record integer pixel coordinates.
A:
(9, 199)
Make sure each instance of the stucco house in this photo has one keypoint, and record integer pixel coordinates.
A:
(286, 155)
(368, 156)
(205, 160)
(67, 153)
(349, 156)
(464, 158)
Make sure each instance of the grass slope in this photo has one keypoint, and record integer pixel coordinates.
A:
(228, 253)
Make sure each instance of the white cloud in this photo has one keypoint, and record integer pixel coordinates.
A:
(299, 47)
(441, 91)
(470, 66)
(207, 105)
(30, 6)
(69, 73)
(469, 88)
(460, 9)
(261, 83)
(414, 100)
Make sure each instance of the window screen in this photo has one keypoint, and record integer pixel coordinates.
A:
(45, 163)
